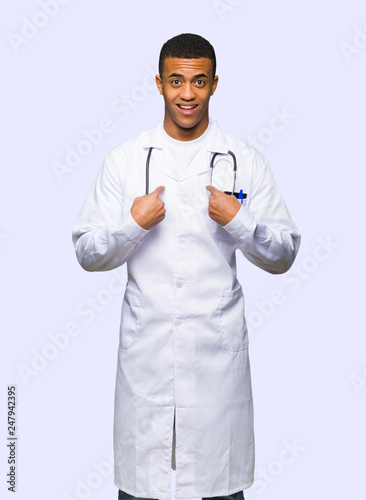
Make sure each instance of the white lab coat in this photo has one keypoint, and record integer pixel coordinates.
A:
(183, 348)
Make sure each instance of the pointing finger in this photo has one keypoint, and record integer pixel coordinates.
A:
(158, 190)
(211, 189)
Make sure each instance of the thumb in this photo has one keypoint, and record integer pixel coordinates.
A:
(158, 190)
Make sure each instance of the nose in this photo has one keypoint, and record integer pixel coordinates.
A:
(187, 92)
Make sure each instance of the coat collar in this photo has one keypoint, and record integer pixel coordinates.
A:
(215, 143)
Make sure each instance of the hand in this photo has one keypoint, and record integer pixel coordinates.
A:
(149, 210)
(222, 207)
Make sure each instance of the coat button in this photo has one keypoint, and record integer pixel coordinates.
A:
(182, 241)
(178, 322)
(179, 283)
(185, 200)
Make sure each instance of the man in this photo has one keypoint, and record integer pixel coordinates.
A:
(183, 374)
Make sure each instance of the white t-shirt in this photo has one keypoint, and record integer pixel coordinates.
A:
(181, 153)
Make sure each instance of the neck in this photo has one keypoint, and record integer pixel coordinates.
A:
(185, 134)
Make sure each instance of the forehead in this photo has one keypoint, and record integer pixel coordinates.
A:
(187, 66)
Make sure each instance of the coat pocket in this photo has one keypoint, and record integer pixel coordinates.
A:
(232, 324)
(130, 318)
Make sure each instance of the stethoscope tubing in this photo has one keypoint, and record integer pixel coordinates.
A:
(211, 168)
(234, 167)
(148, 170)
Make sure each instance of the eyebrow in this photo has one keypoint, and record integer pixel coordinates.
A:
(200, 75)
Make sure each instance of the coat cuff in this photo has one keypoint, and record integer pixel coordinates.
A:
(131, 230)
(242, 223)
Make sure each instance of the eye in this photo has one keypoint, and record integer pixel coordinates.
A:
(175, 82)
(200, 83)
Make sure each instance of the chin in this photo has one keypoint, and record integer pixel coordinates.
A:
(187, 124)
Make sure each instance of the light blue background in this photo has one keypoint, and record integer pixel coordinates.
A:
(308, 351)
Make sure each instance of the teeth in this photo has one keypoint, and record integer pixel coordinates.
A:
(186, 107)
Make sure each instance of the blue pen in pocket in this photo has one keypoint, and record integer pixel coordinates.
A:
(240, 197)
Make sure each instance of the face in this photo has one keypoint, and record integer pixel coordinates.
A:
(186, 85)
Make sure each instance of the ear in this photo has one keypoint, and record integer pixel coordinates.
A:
(159, 83)
(214, 84)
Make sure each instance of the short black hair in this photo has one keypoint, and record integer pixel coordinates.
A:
(187, 46)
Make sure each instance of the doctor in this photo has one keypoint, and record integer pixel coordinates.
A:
(183, 396)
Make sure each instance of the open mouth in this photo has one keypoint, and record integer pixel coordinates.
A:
(187, 109)
(187, 106)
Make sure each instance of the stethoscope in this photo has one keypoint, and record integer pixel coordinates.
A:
(211, 168)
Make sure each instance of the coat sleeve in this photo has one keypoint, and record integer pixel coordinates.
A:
(264, 230)
(103, 238)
